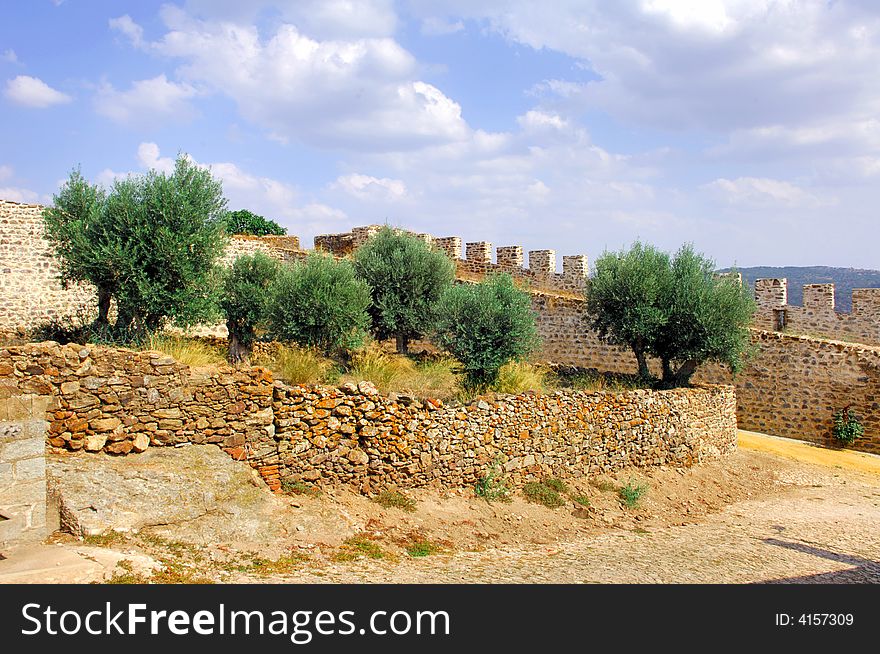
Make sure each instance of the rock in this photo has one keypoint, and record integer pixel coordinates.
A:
(140, 442)
(105, 424)
(94, 442)
(120, 447)
(367, 388)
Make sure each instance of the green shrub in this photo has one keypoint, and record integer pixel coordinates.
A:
(245, 222)
(486, 325)
(540, 493)
(422, 548)
(492, 487)
(359, 545)
(395, 499)
(244, 300)
(847, 426)
(556, 484)
(583, 500)
(632, 493)
(406, 277)
(319, 303)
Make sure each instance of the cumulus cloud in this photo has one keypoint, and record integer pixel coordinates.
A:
(33, 92)
(126, 26)
(434, 26)
(357, 93)
(366, 187)
(147, 102)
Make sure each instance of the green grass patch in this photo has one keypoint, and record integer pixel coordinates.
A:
(358, 546)
(540, 493)
(421, 548)
(395, 500)
(583, 500)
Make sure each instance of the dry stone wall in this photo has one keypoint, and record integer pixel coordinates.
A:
(122, 402)
(23, 494)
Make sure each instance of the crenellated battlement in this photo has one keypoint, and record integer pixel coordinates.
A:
(816, 316)
(540, 274)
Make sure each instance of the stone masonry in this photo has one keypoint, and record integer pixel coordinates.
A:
(122, 402)
(22, 469)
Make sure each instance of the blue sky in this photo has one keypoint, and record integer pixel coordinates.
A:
(749, 128)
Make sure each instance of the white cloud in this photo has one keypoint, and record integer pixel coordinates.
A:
(357, 94)
(128, 28)
(763, 192)
(365, 187)
(9, 56)
(148, 102)
(434, 26)
(23, 195)
(5, 172)
(33, 92)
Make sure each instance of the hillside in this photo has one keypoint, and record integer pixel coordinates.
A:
(844, 280)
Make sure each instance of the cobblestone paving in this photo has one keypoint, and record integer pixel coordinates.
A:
(823, 526)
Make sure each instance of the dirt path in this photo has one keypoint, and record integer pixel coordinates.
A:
(775, 511)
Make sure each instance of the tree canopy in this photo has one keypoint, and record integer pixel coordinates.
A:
(406, 277)
(673, 308)
(245, 222)
(151, 243)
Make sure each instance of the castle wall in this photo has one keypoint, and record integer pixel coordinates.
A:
(31, 291)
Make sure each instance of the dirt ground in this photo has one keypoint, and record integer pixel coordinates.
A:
(755, 516)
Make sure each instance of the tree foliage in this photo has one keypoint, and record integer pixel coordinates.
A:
(406, 277)
(625, 303)
(485, 326)
(675, 309)
(151, 244)
(319, 303)
(245, 222)
(245, 301)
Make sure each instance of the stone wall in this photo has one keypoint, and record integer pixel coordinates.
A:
(541, 273)
(30, 289)
(791, 388)
(121, 402)
(817, 316)
(22, 469)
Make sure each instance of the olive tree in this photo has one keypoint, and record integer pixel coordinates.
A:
(244, 301)
(406, 277)
(151, 243)
(673, 308)
(319, 303)
(486, 325)
(246, 222)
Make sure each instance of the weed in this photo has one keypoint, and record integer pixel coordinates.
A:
(298, 365)
(357, 546)
(556, 484)
(108, 539)
(423, 548)
(283, 565)
(395, 499)
(299, 488)
(847, 426)
(603, 485)
(492, 486)
(583, 500)
(518, 377)
(631, 493)
(186, 350)
(539, 493)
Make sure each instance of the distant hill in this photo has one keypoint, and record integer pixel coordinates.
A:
(844, 280)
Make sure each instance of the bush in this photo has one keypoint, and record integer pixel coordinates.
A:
(244, 301)
(542, 493)
(518, 377)
(245, 222)
(406, 279)
(632, 493)
(491, 487)
(675, 309)
(151, 244)
(396, 500)
(847, 426)
(319, 303)
(484, 326)
(297, 365)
